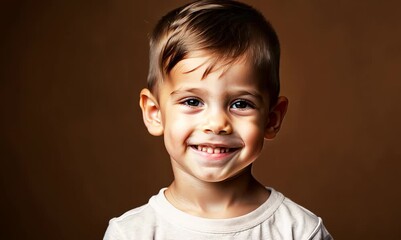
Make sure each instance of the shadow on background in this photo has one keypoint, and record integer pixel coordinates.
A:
(75, 153)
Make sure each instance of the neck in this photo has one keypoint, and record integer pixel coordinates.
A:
(230, 198)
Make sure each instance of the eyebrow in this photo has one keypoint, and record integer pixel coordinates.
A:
(255, 94)
(187, 90)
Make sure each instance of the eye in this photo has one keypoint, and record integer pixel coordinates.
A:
(242, 104)
(192, 102)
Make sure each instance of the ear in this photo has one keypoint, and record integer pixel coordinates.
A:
(275, 117)
(150, 112)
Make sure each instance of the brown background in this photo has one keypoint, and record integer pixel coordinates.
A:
(75, 153)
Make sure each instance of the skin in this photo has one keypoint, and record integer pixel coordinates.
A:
(214, 129)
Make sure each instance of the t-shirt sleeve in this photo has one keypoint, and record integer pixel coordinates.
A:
(113, 232)
(320, 232)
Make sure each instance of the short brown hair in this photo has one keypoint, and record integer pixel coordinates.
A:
(224, 29)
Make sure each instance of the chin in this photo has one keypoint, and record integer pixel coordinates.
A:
(211, 178)
(215, 178)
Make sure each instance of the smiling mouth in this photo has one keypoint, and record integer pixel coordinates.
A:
(216, 150)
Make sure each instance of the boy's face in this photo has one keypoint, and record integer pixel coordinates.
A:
(213, 127)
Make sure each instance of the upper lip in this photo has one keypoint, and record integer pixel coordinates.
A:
(214, 145)
(215, 141)
(226, 144)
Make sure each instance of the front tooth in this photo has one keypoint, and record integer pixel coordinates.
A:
(212, 150)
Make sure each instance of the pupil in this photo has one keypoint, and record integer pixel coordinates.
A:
(240, 104)
(193, 102)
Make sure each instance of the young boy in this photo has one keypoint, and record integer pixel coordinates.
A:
(212, 93)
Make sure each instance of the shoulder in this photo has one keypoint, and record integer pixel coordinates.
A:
(292, 218)
(132, 217)
(131, 221)
(140, 221)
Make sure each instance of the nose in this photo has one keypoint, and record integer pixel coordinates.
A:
(218, 123)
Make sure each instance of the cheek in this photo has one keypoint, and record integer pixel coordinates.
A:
(252, 133)
(254, 139)
(177, 129)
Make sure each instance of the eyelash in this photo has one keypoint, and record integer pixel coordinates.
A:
(195, 102)
(187, 102)
(242, 101)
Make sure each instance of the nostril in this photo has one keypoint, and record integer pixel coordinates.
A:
(217, 124)
(224, 131)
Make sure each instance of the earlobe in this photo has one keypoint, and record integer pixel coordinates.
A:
(150, 112)
(275, 117)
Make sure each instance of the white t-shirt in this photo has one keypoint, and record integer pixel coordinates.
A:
(277, 218)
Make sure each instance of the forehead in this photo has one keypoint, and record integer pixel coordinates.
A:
(199, 66)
